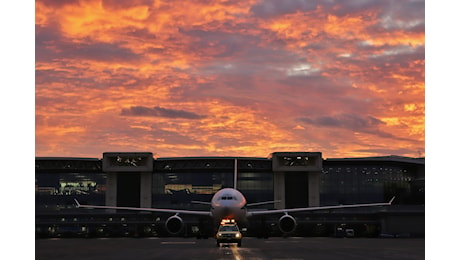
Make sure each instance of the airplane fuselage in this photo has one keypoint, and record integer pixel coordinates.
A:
(229, 204)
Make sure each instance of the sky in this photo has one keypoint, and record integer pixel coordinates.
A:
(230, 78)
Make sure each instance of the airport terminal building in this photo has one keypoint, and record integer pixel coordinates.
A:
(290, 179)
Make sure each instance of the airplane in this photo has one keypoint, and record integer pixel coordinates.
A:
(229, 203)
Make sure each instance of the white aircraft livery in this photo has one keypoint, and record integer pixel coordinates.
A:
(229, 203)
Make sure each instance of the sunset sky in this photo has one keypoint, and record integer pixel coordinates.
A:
(230, 78)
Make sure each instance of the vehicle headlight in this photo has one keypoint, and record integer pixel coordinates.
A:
(219, 234)
(238, 235)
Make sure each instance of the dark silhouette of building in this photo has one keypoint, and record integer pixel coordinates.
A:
(292, 179)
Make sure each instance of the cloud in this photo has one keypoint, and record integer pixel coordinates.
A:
(64, 49)
(273, 8)
(107, 52)
(404, 15)
(349, 121)
(159, 112)
(352, 122)
(60, 3)
(216, 43)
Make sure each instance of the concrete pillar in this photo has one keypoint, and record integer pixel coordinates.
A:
(313, 189)
(111, 189)
(279, 190)
(308, 163)
(135, 162)
(146, 190)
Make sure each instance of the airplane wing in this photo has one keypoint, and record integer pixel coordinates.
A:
(277, 211)
(172, 211)
(261, 203)
(201, 202)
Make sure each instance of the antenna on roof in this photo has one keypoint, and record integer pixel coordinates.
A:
(235, 173)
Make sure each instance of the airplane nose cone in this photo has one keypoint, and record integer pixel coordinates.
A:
(227, 213)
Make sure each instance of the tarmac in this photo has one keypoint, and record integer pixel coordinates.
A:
(252, 248)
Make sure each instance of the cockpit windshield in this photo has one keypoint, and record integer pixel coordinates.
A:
(227, 198)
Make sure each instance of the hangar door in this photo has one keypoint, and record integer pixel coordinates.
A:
(129, 189)
(296, 189)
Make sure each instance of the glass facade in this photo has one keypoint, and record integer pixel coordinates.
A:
(256, 186)
(176, 189)
(58, 181)
(343, 183)
(54, 191)
(176, 182)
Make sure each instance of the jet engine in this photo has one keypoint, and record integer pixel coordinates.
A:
(287, 224)
(174, 225)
